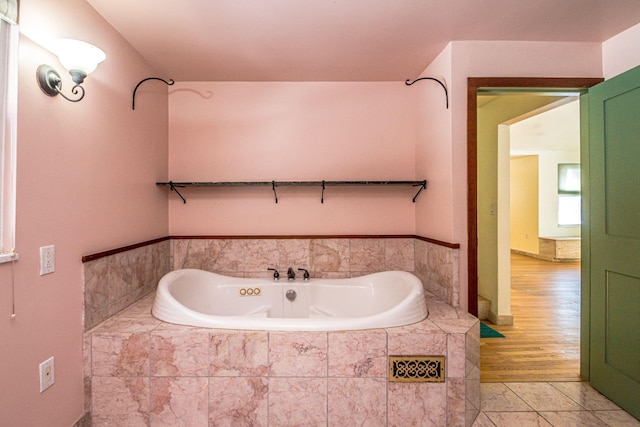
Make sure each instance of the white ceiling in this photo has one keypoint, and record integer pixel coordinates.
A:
(341, 40)
(556, 129)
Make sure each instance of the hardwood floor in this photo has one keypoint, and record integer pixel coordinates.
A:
(544, 342)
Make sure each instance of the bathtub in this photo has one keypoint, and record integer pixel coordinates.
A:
(200, 298)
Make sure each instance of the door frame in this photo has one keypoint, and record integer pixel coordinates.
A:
(473, 84)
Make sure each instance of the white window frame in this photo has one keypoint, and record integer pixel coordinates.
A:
(569, 195)
(8, 138)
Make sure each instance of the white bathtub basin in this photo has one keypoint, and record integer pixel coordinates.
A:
(200, 298)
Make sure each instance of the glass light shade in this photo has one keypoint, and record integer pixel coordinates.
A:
(77, 55)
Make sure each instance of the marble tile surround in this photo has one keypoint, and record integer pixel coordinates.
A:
(114, 282)
(335, 257)
(141, 371)
(436, 265)
(438, 268)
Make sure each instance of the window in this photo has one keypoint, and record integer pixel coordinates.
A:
(569, 199)
(8, 125)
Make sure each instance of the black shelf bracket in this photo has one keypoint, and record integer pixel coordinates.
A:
(273, 186)
(170, 82)
(408, 82)
(172, 187)
(423, 186)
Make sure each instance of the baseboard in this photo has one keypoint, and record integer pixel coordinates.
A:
(84, 420)
(531, 254)
(543, 257)
(503, 320)
(484, 306)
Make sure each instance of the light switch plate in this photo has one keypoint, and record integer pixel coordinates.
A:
(47, 374)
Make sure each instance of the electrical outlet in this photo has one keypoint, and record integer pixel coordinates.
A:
(47, 260)
(47, 374)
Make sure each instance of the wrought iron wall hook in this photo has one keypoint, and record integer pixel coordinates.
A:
(408, 82)
(170, 82)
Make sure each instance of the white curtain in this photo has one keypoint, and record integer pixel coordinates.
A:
(9, 10)
(8, 125)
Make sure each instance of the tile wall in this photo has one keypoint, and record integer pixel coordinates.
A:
(335, 258)
(437, 267)
(141, 371)
(113, 282)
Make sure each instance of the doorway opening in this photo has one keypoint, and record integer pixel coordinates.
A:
(527, 141)
(553, 88)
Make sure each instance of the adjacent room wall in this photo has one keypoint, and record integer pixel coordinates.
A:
(292, 132)
(554, 136)
(86, 174)
(493, 200)
(524, 203)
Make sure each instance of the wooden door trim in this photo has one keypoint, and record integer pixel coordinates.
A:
(473, 84)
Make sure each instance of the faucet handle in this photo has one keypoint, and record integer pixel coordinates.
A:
(276, 275)
(306, 273)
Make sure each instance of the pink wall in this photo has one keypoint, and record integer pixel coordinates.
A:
(462, 60)
(621, 52)
(313, 131)
(289, 132)
(86, 176)
(86, 172)
(434, 152)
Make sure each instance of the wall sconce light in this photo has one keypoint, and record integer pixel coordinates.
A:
(77, 57)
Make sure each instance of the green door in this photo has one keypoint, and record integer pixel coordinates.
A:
(614, 230)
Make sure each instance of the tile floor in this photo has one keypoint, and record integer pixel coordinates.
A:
(557, 404)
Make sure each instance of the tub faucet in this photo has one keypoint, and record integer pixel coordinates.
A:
(306, 274)
(291, 275)
(276, 275)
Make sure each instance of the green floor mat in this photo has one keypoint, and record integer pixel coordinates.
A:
(489, 332)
